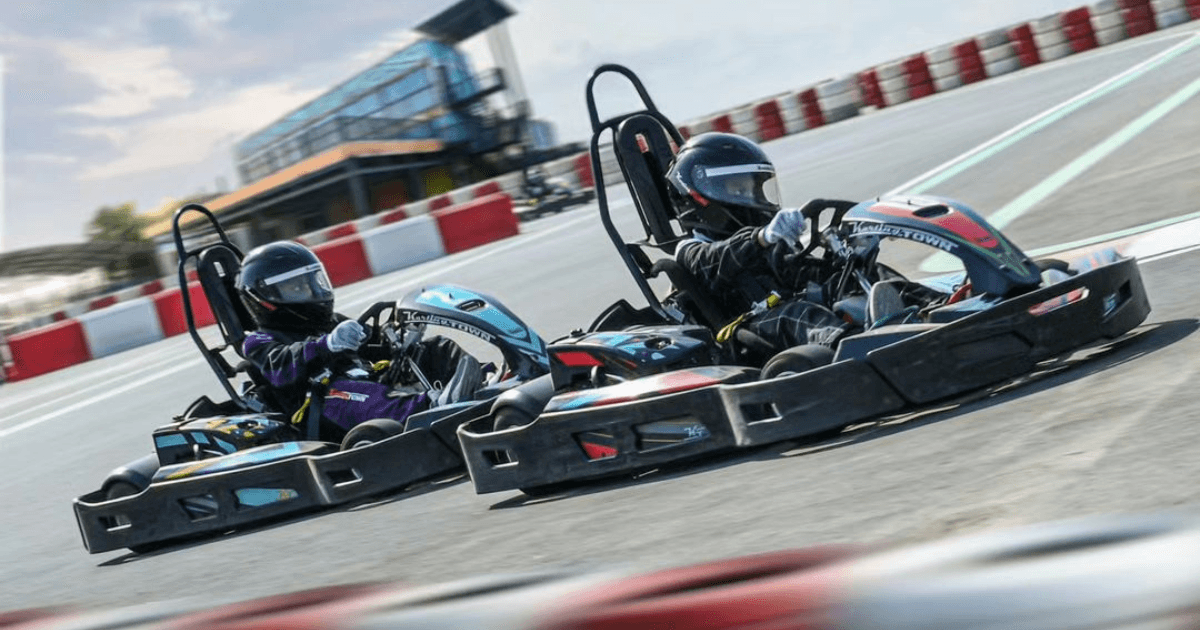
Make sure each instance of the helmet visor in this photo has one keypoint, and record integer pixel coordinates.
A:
(305, 285)
(751, 185)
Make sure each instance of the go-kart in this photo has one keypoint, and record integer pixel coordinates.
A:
(543, 194)
(220, 466)
(910, 342)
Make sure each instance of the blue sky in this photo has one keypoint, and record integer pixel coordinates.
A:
(142, 100)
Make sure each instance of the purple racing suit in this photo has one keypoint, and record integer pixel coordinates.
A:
(288, 362)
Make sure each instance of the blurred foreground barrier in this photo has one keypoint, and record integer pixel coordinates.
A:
(1138, 572)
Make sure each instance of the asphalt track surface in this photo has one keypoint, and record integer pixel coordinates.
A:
(1109, 431)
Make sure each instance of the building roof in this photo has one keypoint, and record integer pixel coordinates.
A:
(302, 169)
(465, 19)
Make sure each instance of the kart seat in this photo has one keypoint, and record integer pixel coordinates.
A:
(644, 151)
(217, 267)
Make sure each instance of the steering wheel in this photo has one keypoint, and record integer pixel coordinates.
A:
(813, 210)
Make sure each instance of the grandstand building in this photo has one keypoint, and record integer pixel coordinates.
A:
(419, 123)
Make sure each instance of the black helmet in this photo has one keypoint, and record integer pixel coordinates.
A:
(285, 288)
(721, 182)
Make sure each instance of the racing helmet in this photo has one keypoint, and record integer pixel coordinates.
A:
(285, 288)
(720, 183)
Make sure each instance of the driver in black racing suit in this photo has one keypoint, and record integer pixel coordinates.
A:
(743, 245)
(286, 290)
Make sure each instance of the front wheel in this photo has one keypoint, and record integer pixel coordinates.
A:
(796, 360)
(370, 432)
(120, 490)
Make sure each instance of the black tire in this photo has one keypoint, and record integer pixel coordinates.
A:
(120, 489)
(370, 432)
(796, 360)
(509, 417)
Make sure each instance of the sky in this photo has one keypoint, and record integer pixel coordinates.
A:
(114, 101)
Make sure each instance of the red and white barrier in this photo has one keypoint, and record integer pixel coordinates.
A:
(1077, 29)
(1024, 45)
(403, 244)
(997, 53)
(121, 327)
(476, 223)
(1048, 34)
(47, 349)
(838, 99)
(1168, 13)
(1107, 22)
(134, 319)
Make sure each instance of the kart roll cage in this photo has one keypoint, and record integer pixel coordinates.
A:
(217, 266)
(645, 142)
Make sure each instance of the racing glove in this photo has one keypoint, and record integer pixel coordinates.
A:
(348, 335)
(785, 227)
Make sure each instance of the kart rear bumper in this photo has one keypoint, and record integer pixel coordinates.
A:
(218, 502)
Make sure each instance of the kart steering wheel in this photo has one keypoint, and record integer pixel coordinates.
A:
(813, 211)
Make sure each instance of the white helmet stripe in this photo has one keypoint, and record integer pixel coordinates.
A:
(739, 168)
(287, 275)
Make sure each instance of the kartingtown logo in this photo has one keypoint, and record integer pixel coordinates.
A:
(351, 396)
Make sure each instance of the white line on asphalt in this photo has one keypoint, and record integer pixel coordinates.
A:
(1019, 206)
(85, 403)
(52, 399)
(51, 388)
(945, 171)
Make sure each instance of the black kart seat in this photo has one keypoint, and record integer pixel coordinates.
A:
(644, 152)
(218, 266)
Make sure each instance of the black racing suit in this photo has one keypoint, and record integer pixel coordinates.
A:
(287, 362)
(740, 272)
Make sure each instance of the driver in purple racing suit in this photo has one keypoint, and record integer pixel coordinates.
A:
(287, 292)
(743, 245)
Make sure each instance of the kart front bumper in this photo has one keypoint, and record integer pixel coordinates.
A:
(218, 502)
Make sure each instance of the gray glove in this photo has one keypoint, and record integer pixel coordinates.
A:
(786, 227)
(348, 335)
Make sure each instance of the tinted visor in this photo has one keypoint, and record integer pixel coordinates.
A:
(305, 285)
(752, 185)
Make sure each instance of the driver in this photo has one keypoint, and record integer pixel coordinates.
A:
(742, 246)
(286, 290)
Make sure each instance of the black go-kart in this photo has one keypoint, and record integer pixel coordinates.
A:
(544, 195)
(221, 466)
(912, 342)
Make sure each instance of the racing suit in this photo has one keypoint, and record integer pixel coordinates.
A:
(739, 272)
(288, 361)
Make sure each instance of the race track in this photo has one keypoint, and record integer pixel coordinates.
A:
(1110, 431)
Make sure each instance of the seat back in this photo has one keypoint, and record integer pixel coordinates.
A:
(217, 267)
(644, 152)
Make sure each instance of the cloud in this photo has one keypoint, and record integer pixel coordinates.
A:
(48, 159)
(192, 137)
(134, 79)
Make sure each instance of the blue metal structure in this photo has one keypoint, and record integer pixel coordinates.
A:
(424, 91)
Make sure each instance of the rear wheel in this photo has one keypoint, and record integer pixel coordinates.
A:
(796, 360)
(370, 432)
(509, 417)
